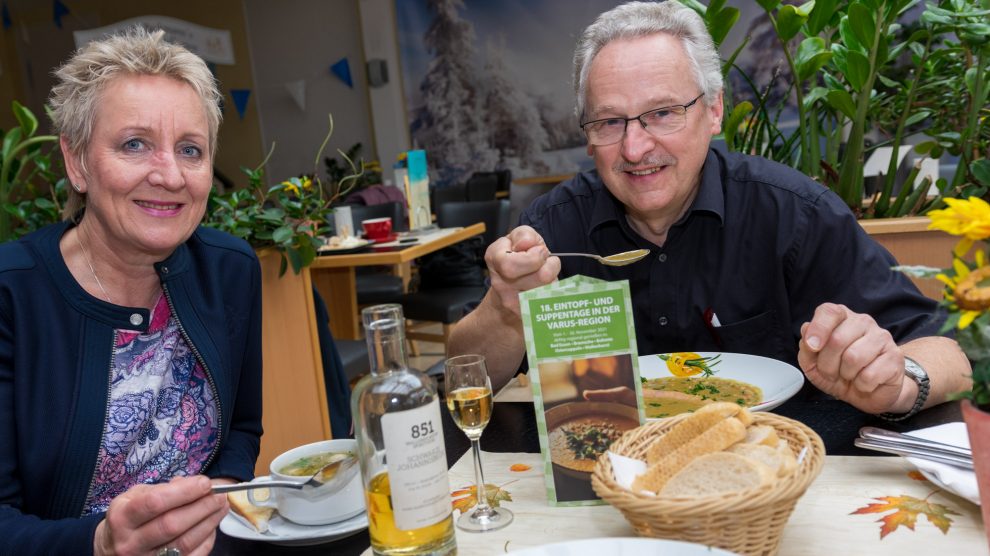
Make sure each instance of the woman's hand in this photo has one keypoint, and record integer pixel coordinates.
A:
(182, 514)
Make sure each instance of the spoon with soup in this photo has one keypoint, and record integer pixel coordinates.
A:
(328, 471)
(618, 259)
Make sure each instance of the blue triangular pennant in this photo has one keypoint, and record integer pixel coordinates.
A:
(58, 10)
(342, 69)
(5, 16)
(240, 97)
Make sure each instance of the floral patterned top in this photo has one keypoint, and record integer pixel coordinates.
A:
(162, 418)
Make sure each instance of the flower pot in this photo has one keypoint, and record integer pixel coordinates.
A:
(978, 427)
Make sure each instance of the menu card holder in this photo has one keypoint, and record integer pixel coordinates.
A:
(417, 184)
(581, 348)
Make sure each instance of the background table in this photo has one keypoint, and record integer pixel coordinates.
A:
(334, 276)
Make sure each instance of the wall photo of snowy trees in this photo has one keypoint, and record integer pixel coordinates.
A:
(488, 84)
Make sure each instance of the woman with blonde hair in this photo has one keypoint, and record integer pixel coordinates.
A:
(130, 359)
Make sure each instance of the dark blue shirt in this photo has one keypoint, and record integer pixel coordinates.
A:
(760, 248)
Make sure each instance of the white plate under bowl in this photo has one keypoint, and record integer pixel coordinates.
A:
(635, 546)
(284, 532)
(778, 380)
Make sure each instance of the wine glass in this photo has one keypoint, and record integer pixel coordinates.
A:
(469, 399)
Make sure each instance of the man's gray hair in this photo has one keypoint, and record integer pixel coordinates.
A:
(135, 52)
(638, 19)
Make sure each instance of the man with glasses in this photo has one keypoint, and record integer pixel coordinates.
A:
(746, 255)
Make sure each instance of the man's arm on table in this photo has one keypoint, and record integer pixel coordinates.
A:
(846, 354)
(517, 262)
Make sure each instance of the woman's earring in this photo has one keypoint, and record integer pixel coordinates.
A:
(77, 188)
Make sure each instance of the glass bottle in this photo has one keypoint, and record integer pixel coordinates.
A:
(400, 446)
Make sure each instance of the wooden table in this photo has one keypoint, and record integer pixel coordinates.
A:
(335, 278)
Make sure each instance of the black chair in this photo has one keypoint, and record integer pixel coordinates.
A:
(481, 186)
(495, 215)
(448, 194)
(504, 181)
(447, 301)
(376, 285)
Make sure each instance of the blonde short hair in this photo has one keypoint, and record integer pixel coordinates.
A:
(639, 19)
(136, 51)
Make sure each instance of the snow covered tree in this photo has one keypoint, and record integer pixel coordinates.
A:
(514, 123)
(451, 124)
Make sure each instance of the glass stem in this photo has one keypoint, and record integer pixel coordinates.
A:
(479, 478)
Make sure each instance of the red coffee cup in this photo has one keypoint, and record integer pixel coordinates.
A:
(377, 228)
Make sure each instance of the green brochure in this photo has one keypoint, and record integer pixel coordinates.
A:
(581, 347)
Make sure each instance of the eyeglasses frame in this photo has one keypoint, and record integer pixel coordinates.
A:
(625, 126)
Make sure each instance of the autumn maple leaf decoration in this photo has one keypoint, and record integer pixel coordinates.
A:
(466, 498)
(905, 512)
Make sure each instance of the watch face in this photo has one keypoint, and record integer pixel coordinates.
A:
(916, 371)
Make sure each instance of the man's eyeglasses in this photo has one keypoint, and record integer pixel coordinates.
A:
(659, 121)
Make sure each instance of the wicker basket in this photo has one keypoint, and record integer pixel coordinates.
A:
(748, 522)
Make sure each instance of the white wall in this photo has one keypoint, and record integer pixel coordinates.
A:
(391, 126)
(301, 39)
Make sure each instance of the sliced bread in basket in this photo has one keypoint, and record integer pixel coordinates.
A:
(717, 473)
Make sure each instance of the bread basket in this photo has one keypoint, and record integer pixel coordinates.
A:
(749, 522)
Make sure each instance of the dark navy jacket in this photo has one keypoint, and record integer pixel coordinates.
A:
(55, 348)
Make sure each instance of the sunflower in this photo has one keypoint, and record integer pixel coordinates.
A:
(968, 291)
(969, 218)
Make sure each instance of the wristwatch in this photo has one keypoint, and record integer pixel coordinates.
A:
(917, 373)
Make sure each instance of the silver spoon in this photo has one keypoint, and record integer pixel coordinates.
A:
(329, 478)
(618, 259)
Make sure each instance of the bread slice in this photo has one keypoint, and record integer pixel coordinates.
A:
(723, 434)
(781, 462)
(762, 434)
(717, 473)
(694, 425)
(255, 516)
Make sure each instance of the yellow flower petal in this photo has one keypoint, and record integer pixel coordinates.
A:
(967, 318)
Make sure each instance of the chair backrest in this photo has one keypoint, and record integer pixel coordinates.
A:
(495, 215)
(393, 209)
(481, 186)
(450, 194)
(504, 180)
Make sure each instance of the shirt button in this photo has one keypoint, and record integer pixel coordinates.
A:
(164, 270)
(662, 258)
(662, 321)
(136, 319)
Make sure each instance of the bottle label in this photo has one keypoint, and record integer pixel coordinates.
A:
(417, 466)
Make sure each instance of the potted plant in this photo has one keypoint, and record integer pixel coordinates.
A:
(967, 300)
(288, 216)
(31, 195)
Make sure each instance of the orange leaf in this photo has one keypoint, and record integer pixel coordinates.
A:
(905, 512)
(916, 475)
(467, 498)
(519, 467)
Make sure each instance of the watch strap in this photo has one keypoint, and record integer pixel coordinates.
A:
(916, 373)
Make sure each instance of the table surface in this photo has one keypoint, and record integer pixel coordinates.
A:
(513, 430)
(395, 253)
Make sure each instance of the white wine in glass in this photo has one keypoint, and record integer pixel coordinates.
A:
(469, 399)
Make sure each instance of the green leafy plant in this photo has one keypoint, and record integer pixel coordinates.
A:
(339, 169)
(288, 216)
(30, 193)
(844, 66)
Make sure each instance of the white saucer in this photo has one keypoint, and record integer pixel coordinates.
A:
(286, 533)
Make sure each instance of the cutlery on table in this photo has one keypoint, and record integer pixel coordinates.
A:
(882, 440)
(329, 478)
